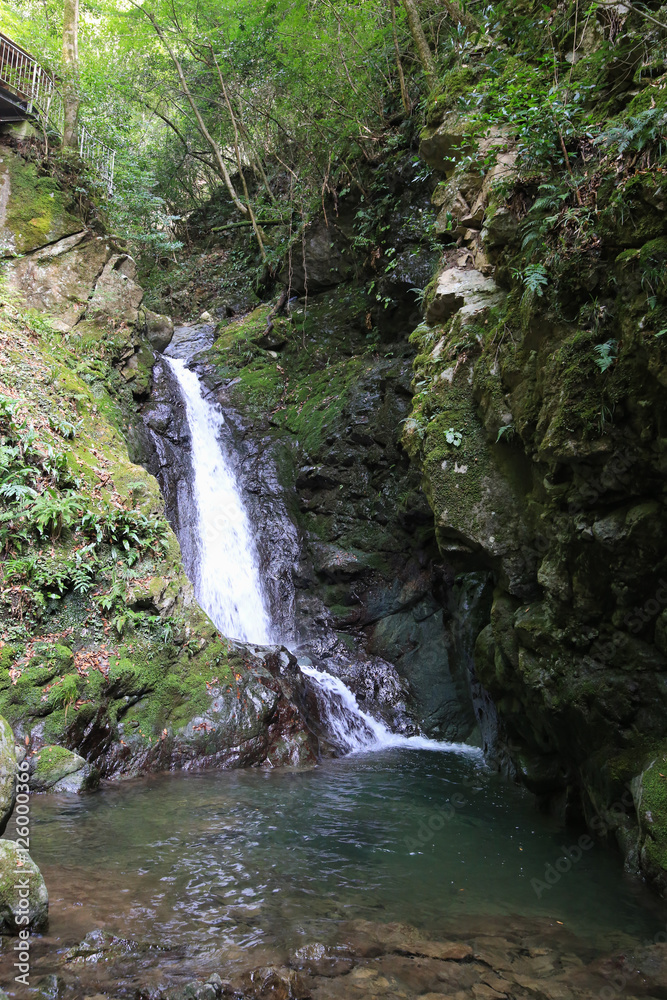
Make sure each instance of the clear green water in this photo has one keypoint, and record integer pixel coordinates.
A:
(217, 863)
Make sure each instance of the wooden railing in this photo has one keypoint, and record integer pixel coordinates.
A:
(35, 95)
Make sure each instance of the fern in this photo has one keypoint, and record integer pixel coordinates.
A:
(606, 354)
(638, 132)
(533, 278)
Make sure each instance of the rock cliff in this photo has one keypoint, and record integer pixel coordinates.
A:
(538, 423)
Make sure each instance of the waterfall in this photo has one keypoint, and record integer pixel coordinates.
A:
(226, 571)
(353, 730)
(226, 575)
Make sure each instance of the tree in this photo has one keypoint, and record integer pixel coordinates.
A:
(71, 67)
(421, 44)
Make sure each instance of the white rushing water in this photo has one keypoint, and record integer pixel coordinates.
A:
(355, 730)
(228, 583)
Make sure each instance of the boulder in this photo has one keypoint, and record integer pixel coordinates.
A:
(117, 297)
(32, 208)
(467, 291)
(190, 339)
(159, 329)
(58, 279)
(17, 865)
(7, 773)
(59, 770)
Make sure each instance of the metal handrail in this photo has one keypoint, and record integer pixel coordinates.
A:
(36, 95)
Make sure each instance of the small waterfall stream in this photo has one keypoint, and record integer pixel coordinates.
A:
(355, 730)
(227, 577)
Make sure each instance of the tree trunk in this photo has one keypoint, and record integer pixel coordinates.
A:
(422, 46)
(217, 152)
(399, 65)
(71, 65)
(223, 88)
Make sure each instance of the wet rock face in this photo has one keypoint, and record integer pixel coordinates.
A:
(343, 532)
(548, 472)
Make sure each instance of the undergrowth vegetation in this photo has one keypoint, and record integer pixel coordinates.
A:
(67, 530)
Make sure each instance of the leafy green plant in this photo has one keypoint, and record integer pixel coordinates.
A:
(636, 133)
(507, 430)
(606, 354)
(64, 692)
(454, 437)
(50, 512)
(534, 279)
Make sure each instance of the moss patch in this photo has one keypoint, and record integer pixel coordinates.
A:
(36, 213)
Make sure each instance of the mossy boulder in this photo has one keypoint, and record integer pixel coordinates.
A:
(33, 209)
(57, 769)
(650, 790)
(59, 278)
(23, 892)
(7, 773)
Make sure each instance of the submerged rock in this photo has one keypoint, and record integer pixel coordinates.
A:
(272, 983)
(24, 900)
(101, 945)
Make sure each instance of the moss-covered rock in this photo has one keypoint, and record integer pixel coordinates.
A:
(57, 769)
(33, 209)
(650, 790)
(23, 893)
(539, 429)
(7, 773)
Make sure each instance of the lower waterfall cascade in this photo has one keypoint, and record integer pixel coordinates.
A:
(227, 576)
(355, 730)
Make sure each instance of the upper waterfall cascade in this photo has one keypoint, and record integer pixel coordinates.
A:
(228, 582)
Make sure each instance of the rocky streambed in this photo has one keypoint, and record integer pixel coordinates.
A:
(480, 960)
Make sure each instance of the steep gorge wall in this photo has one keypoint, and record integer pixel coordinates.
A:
(539, 425)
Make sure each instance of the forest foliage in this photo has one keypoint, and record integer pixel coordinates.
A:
(302, 94)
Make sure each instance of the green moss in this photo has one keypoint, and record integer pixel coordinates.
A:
(631, 761)
(654, 811)
(455, 84)
(51, 759)
(36, 212)
(8, 654)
